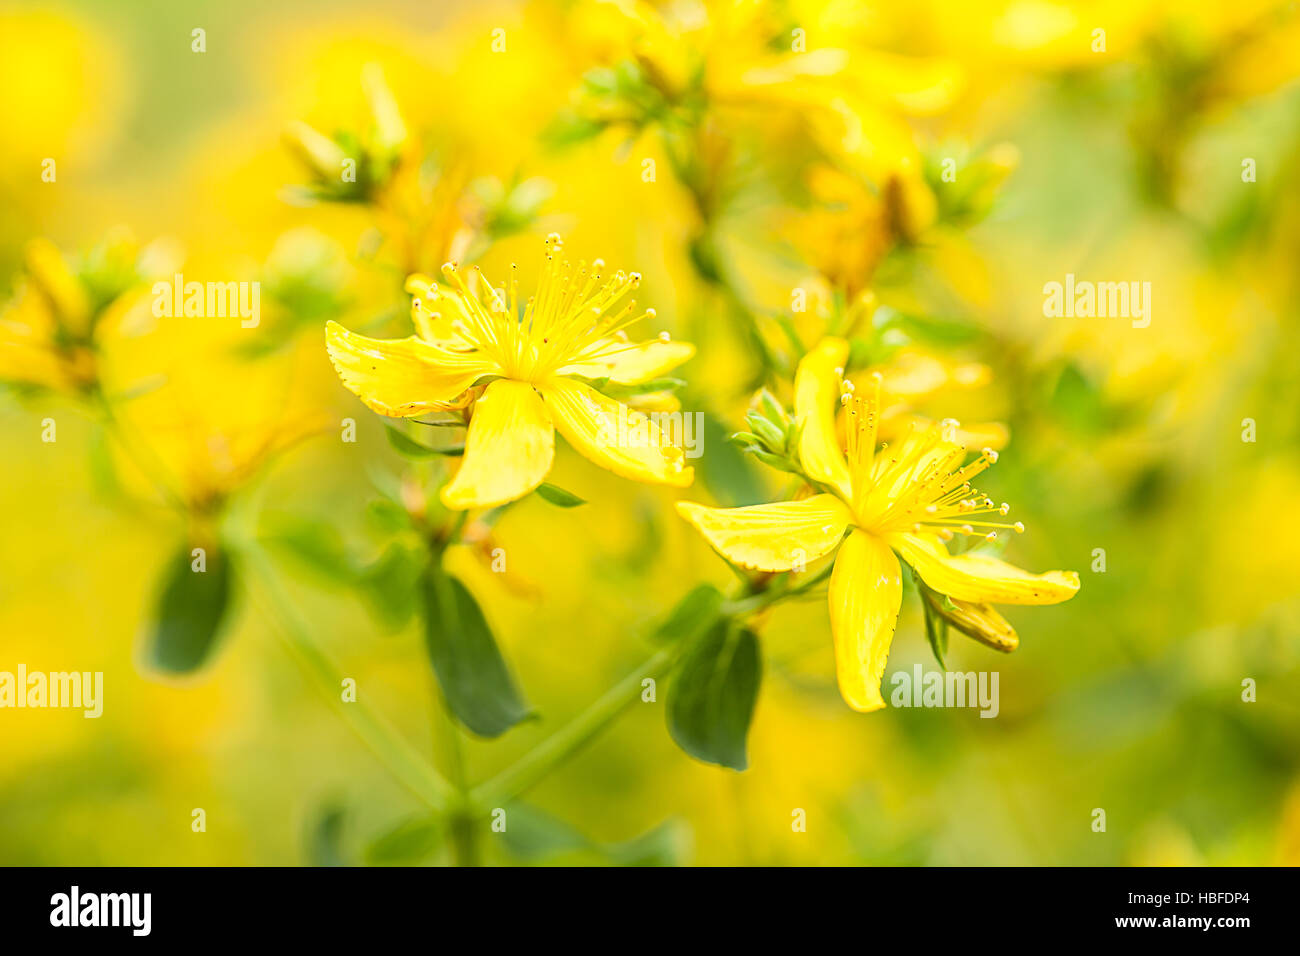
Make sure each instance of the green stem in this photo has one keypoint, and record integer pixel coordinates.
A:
(399, 757)
(462, 826)
(571, 738)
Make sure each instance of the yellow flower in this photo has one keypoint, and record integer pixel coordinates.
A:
(536, 359)
(51, 333)
(907, 499)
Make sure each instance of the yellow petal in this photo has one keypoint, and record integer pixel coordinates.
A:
(979, 577)
(816, 400)
(636, 363)
(508, 450)
(401, 377)
(980, 621)
(50, 274)
(865, 594)
(775, 537)
(613, 435)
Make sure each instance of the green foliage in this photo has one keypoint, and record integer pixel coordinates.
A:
(408, 843)
(191, 609)
(532, 835)
(408, 447)
(558, 496)
(473, 675)
(712, 698)
(699, 609)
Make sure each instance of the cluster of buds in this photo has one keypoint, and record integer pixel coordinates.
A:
(773, 436)
(351, 166)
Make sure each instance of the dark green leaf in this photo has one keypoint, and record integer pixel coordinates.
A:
(191, 608)
(698, 610)
(558, 496)
(712, 698)
(474, 678)
(410, 842)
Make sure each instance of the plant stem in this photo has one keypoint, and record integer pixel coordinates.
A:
(573, 736)
(462, 826)
(399, 757)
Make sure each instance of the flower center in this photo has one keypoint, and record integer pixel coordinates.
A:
(918, 485)
(577, 315)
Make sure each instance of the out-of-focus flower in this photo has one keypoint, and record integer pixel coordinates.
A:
(50, 334)
(538, 361)
(351, 166)
(427, 206)
(913, 377)
(216, 420)
(863, 208)
(65, 87)
(908, 498)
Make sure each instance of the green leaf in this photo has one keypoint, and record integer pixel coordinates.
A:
(533, 835)
(316, 545)
(410, 842)
(936, 630)
(665, 845)
(698, 610)
(191, 608)
(391, 584)
(410, 448)
(558, 496)
(387, 516)
(712, 699)
(474, 678)
(621, 390)
(325, 837)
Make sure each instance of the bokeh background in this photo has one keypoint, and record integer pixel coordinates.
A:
(1117, 164)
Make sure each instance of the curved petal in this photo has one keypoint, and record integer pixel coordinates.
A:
(816, 400)
(865, 594)
(401, 377)
(635, 363)
(980, 621)
(614, 436)
(508, 449)
(775, 537)
(980, 578)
